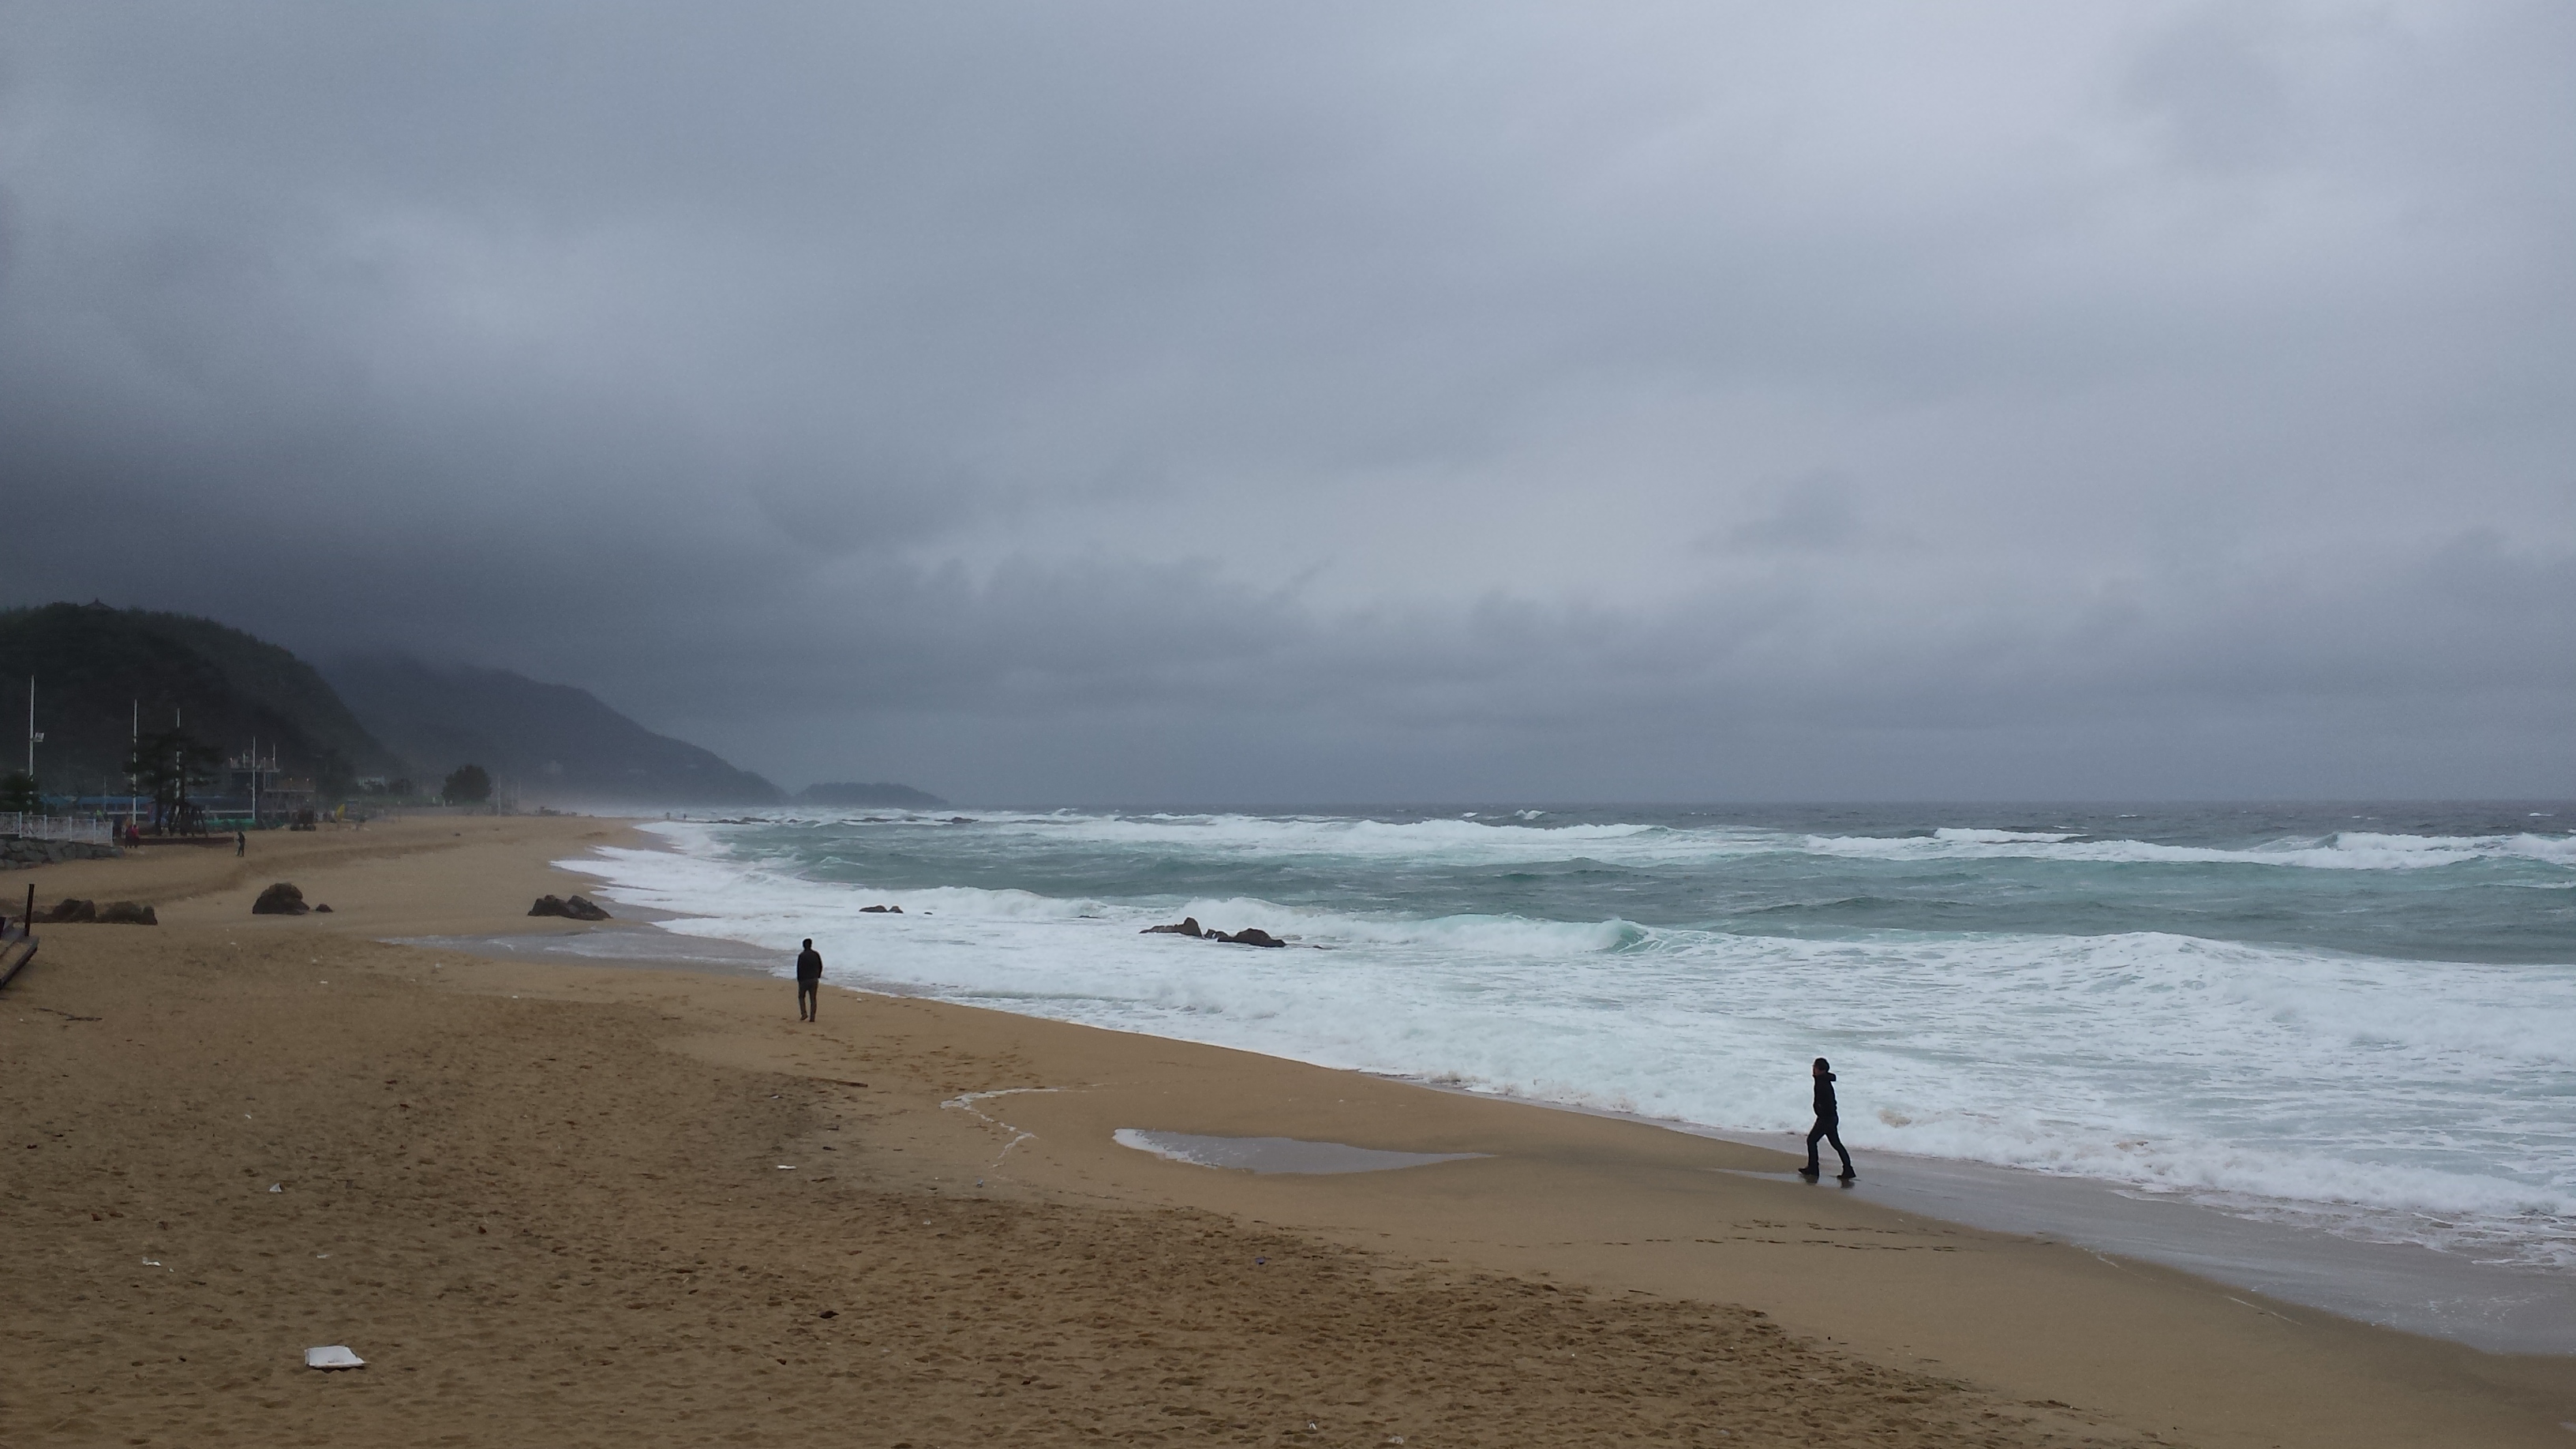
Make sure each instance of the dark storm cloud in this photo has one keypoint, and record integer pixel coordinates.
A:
(1157, 402)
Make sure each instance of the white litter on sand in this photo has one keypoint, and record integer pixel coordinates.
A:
(336, 1356)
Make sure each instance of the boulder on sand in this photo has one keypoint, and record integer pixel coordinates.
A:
(68, 910)
(128, 913)
(280, 899)
(576, 909)
(1188, 926)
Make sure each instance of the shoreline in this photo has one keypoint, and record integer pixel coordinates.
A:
(2400, 1099)
(218, 1011)
(2397, 1285)
(2400, 1286)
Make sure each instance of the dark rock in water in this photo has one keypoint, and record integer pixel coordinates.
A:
(881, 910)
(576, 909)
(1189, 926)
(128, 913)
(280, 899)
(68, 910)
(321, 910)
(961, 820)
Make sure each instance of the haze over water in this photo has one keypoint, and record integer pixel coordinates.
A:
(2359, 1018)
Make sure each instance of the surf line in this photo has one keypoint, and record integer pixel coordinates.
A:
(965, 1102)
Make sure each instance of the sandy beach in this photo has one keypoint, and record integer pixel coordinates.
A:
(627, 1203)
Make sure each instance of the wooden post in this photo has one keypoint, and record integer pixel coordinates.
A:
(13, 960)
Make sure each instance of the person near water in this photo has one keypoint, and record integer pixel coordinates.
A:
(809, 980)
(1829, 1125)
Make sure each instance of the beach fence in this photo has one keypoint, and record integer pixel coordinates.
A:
(95, 829)
(18, 940)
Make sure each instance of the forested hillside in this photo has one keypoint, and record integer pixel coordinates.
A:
(97, 669)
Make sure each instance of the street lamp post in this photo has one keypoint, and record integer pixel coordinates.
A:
(33, 739)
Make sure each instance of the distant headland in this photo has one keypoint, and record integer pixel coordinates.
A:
(846, 793)
(383, 727)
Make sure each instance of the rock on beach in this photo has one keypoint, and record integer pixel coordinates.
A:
(576, 908)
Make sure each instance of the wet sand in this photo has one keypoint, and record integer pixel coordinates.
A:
(590, 1203)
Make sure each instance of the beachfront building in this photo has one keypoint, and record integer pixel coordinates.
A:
(249, 788)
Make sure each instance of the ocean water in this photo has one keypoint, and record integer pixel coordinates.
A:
(2360, 1019)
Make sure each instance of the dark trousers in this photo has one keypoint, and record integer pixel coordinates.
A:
(1831, 1130)
(807, 992)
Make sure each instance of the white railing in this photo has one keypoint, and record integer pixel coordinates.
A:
(58, 827)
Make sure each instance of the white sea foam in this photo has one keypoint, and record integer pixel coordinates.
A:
(1412, 841)
(1523, 841)
(2406, 1100)
(2348, 850)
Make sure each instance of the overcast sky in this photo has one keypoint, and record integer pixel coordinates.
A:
(1342, 402)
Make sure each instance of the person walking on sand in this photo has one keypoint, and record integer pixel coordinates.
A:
(809, 980)
(1829, 1125)
(241, 843)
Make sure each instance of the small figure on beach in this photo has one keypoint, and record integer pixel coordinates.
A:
(809, 980)
(241, 842)
(1829, 1125)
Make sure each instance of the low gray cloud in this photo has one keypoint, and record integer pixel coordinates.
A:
(1152, 403)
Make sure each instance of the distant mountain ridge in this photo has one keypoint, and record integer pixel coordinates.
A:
(97, 667)
(548, 741)
(384, 715)
(845, 793)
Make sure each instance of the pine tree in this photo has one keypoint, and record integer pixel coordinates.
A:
(468, 786)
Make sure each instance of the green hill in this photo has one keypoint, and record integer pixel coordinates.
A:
(546, 742)
(96, 667)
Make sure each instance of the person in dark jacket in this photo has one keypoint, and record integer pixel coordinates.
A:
(1829, 1125)
(809, 980)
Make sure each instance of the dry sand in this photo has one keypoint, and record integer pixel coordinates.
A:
(555, 1204)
